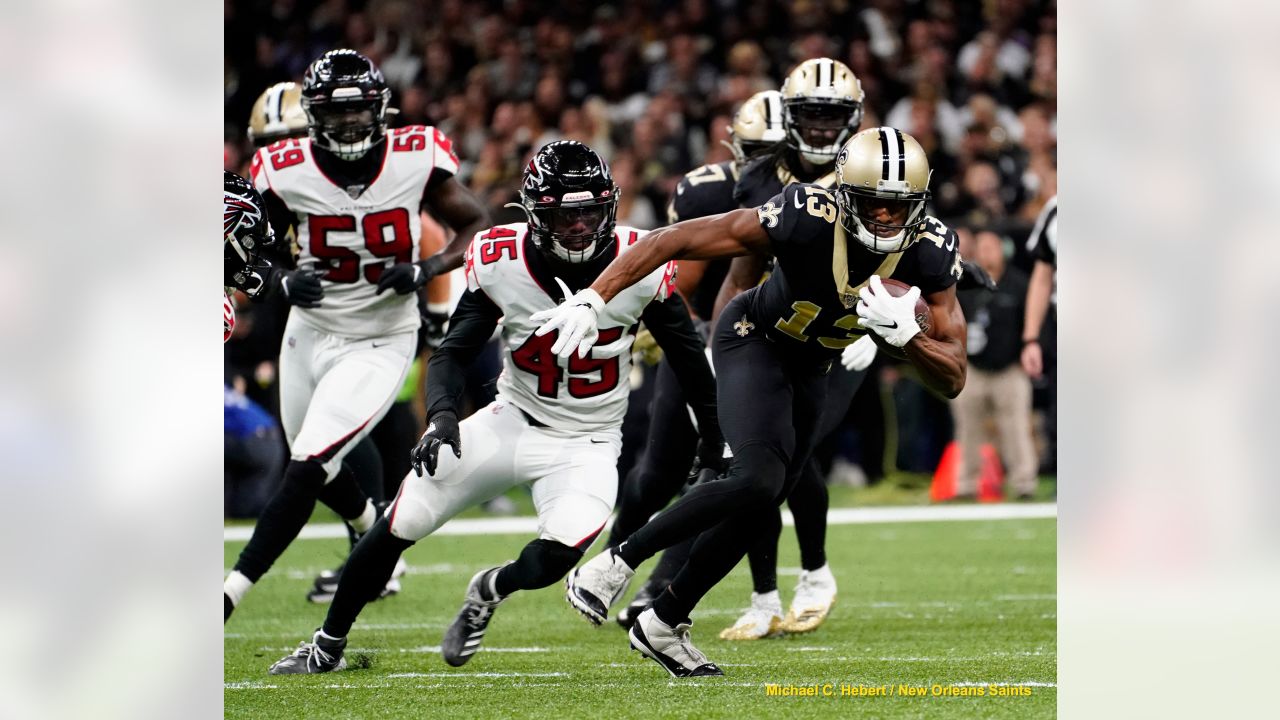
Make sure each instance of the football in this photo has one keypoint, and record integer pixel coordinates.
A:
(924, 317)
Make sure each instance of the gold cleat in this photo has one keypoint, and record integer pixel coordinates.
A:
(762, 620)
(815, 594)
(806, 619)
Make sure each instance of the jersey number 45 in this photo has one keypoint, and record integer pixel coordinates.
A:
(535, 357)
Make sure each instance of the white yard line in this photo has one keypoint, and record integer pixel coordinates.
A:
(836, 516)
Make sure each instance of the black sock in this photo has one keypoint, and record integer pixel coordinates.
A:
(763, 555)
(809, 502)
(542, 563)
(669, 564)
(282, 519)
(366, 573)
(344, 496)
(669, 609)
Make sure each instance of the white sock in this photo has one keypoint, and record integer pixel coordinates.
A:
(362, 524)
(326, 635)
(236, 586)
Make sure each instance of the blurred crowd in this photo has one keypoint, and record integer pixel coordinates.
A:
(652, 85)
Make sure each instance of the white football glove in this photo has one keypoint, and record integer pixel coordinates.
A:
(892, 318)
(858, 355)
(577, 319)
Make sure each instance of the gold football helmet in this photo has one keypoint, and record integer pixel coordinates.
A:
(756, 125)
(277, 115)
(882, 186)
(822, 99)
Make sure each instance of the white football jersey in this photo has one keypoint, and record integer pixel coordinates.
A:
(355, 239)
(578, 394)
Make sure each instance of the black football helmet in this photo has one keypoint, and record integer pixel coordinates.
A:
(245, 233)
(345, 98)
(571, 200)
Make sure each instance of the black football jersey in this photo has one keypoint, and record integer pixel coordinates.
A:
(765, 177)
(807, 303)
(705, 191)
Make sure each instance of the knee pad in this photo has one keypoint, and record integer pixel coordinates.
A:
(544, 562)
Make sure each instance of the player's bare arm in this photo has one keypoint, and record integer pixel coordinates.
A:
(1038, 293)
(727, 235)
(462, 211)
(744, 273)
(940, 357)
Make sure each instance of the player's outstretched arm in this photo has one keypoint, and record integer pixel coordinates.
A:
(673, 330)
(942, 359)
(737, 232)
(470, 327)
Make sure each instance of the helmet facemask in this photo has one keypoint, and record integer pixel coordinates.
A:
(577, 228)
(817, 128)
(884, 219)
(350, 127)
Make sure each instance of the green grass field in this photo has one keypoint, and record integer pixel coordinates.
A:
(961, 604)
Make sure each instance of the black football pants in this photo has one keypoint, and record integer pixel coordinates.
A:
(769, 408)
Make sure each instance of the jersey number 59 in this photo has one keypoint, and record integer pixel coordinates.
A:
(386, 235)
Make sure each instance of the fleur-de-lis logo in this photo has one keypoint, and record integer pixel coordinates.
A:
(769, 214)
(744, 326)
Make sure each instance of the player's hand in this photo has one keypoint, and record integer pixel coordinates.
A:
(892, 318)
(577, 319)
(254, 279)
(433, 328)
(710, 462)
(859, 354)
(442, 429)
(405, 278)
(1033, 360)
(301, 287)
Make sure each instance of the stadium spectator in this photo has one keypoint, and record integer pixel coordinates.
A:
(997, 390)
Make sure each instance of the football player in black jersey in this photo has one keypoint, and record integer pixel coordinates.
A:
(672, 440)
(774, 346)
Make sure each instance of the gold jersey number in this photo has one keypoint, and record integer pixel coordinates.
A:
(802, 316)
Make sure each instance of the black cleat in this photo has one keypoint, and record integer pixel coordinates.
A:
(321, 655)
(464, 636)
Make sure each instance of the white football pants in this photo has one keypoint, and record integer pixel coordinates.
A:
(334, 390)
(574, 476)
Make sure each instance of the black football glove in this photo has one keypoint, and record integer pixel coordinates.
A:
(300, 287)
(433, 328)
(253, 280)
(974, 277)
(442, 429)
(405, 278)
(710, 462)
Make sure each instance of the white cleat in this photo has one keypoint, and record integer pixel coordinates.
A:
(597, 585)
(815, 594)
(763, 619)
(670, 647)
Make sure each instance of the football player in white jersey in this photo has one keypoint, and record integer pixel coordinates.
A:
(353, 191)
(556, 424)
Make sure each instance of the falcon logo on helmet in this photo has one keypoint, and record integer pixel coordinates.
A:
(245, 231)
(277, 115)
(882, 186)
(822, 101)
(571, 202)
(756, 126)
(345, 98)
